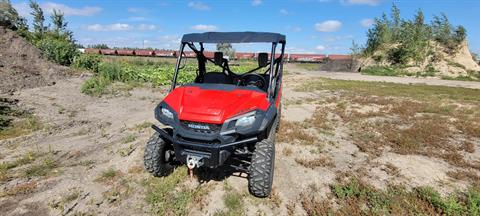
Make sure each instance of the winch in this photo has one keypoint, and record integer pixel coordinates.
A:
(193, 162)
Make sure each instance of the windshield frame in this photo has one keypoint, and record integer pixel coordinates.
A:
(275, 65)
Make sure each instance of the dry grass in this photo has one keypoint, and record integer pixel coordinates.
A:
(354, 197)
(439, 122)
(109, 176)
(469, 147)
(70, 195)
(302, 132)
(23, 188)
(469, 127)
(136, 169)
(287, 151)
(141, 126)
(317, 162)
(291, 132)
(316, 207)
(409, 127)
(20, 127)
(7, 169)
(290, 209)
(320, 121)
(274, 198)
(434, 121)
(168, 196)
(466, 175)
(383, 89)
(392, 169)
(45, 167)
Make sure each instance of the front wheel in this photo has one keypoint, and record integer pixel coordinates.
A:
(158, 156)
(260, 177)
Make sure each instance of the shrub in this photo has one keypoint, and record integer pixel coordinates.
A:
(88, 62)
(58, 49)
(95, 86)
(380, 71)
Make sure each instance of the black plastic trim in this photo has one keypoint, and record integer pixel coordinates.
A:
(163, 133)
(223, 87)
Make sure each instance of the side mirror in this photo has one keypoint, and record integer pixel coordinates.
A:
(218, 58)
(262, 59)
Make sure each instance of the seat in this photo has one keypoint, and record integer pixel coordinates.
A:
(217, 77)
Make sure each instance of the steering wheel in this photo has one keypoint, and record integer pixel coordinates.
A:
(251, 79)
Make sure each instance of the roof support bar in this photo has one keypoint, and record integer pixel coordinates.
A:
(177, 66)
(271, 86)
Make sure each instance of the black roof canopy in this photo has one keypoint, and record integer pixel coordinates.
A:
(234, 37)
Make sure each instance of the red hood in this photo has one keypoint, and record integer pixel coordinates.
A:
(192, 103)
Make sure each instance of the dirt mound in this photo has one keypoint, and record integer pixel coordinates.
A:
(23, 66)
(340, 65)
(459, 64)
(438, 61)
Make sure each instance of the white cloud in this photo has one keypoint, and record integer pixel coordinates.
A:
(95, 27)
(146, 27)
(367, 23)
(320, 48)
(257, 2)
(362, 2)
(284, 11)
(198, 5)
(69, 11)
(201, 27)
(126, 40)
(119, 27)
(170, 38)
(328, 26)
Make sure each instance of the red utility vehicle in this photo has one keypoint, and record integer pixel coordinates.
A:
(224, 118)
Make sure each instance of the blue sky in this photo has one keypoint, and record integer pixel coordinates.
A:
(311, 26)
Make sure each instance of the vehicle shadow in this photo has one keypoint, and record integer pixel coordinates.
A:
(234, 166)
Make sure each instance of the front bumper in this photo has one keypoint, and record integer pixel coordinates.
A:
(212, 154)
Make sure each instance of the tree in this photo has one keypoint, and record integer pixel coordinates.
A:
(38, 17)
(404, 40)
(227, 49)
(356, 50)
(442, 29)
(422, 31)
(379, 34)
(396, 22)
(60, 25)
(58, 20)
(460, 34)
(99, 46)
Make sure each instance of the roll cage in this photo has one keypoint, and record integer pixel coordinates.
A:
(275, 65)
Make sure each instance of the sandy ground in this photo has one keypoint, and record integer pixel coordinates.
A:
(87, 136)
(401, 80)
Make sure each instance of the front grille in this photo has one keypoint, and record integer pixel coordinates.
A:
(201, 127)
(191, 140)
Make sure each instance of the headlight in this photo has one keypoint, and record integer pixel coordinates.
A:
(242, 122)
(246, 120)
(167, 113)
